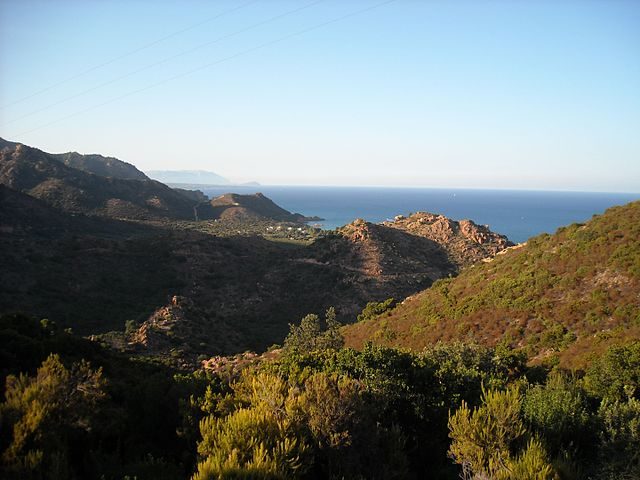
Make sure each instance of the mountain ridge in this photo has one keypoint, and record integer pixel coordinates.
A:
(42, 175)
(91, 163)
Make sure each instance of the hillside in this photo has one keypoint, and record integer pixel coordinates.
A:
(188, 291)
(88, 273)
(194, 195)
(99, 165)
(92, 163)
(43, 176)
(232, 206)
(557, 296)
(256, 288)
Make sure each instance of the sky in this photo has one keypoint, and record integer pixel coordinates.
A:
(476, 94)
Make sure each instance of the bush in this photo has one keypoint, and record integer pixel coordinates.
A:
(48, 416)
(483, 440)
(373, 309)
(558, 412)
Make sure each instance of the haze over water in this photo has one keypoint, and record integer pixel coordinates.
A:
(518, 214)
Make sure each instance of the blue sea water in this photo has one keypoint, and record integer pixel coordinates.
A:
(517, 214)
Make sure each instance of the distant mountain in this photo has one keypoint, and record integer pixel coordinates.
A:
(44, 176)
(191, 177)
(568, 295)
(232, 206)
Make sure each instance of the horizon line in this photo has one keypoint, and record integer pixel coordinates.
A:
(416, 187)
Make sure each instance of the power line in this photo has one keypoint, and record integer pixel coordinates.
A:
(211, 64)
(165, 60)
(129, 53)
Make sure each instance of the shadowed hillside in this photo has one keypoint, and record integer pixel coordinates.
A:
(558, 294)
(189, 291)
(88, 273)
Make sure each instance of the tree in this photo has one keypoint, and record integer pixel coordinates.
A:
(484, 439)
(258, 440)
(615, 375)
(45, 413)
(310, 335)
(348, 440)
(373, 309)
(559, 412)
(620, 439)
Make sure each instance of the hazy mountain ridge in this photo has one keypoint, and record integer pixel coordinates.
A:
(190, 177)
(565, 294)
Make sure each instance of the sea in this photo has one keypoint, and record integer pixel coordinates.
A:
(518, 214)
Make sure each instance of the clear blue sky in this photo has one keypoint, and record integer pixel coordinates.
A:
(540, 95)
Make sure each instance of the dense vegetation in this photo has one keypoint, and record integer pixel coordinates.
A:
(561, 297)
(80, 411)
(242, 282)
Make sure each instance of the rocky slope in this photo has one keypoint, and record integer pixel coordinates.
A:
(558, 296)
(43, 176)
(92, 163)
(100, 165)
(270, 285)
(466, 243)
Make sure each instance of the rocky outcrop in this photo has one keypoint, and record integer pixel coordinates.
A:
(465, 241)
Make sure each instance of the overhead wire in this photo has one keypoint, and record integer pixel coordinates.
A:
(211, 64)
(164, 60)
(129, 53)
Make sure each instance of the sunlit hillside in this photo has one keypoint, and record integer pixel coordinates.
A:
(567, 295)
